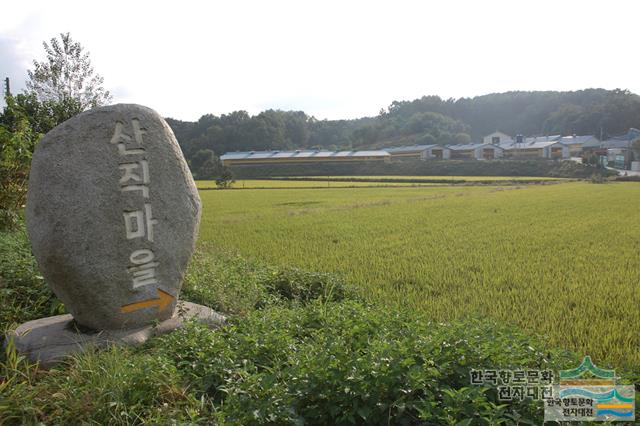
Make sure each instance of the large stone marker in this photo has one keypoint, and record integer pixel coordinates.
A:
(112, 215)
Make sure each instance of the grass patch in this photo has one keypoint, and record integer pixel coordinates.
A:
(233, 285)
(23, 294)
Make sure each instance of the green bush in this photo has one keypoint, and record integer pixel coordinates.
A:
(294, 284)
(596, 178)
(18, 139)
(345, 363)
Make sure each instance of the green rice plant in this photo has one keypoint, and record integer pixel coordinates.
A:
(559, 260)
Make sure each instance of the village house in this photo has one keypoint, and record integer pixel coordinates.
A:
(411, 152)
(617, 151)
(575, 143)
(535, 147)
(477, 151)
(496, 138)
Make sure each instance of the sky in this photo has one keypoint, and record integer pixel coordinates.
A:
(332, 59)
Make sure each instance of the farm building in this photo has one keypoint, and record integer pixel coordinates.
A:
(617, 150)
(439, 152)
(575, 143)
(414, 152)
(478, 151)
(300, 157)
(536, 147)
(532, 139)
(496, 138)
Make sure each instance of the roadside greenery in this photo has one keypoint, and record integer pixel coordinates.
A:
(17, 142)
(519, 168)
(23, 293)
(58, 88)
(299, 348)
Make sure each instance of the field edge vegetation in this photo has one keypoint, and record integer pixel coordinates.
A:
(300, 348)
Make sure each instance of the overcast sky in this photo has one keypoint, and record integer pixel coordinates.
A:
(331, 59)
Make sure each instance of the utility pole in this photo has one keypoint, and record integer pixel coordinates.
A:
(7, 89)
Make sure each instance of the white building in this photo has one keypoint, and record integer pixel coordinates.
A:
(539, 147)
(419, 152)
(576, 143)
(301, 157)
(496, 138)
(477, 151)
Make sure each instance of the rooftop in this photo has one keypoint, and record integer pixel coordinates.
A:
(408, 148)
(569, 140)
(534, 139)
(528, 145)
(248, 155)
(468, 146)
(622, 141)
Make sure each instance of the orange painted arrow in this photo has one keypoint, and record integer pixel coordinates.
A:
(163, 300)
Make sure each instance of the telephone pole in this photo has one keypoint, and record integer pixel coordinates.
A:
(7, 89)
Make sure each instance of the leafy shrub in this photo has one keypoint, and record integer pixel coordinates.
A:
(598, 178)
(17, 142)
(294, 284)
(225, 179)
(345, 363)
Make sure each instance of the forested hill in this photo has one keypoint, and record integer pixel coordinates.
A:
(429, 119)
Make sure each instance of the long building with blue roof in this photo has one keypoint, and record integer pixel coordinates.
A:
(301, 156)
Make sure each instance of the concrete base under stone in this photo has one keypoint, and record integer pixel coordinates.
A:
(50, 340)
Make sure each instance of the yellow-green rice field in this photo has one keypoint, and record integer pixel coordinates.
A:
(443, 178)
(560, 260)
(291, 183)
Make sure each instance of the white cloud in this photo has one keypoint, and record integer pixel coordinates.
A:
(334, 59)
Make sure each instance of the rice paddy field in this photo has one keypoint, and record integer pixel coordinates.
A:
(292, 183)
(366, 181)
(558, 260)
(443, 178)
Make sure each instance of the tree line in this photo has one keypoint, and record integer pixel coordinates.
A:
(58, 88)
(65, 84)
(427, 120)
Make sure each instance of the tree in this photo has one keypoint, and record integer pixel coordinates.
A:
(226, 178)
(17, 141)
(42, 116)
(210, 169)
(67, 78)
(198, 159)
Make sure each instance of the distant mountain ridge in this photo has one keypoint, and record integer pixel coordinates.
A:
(427, 120)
